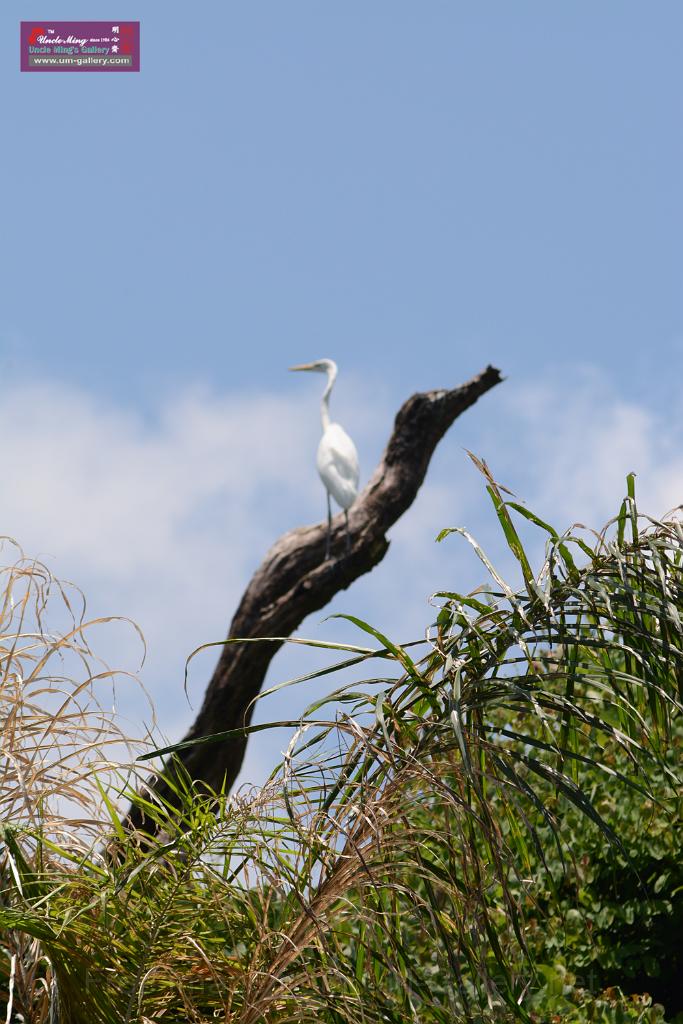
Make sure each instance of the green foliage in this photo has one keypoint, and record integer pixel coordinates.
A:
(559, 1000)
(486, 832)
(616, 918)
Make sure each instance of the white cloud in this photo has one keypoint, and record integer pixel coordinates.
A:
(575, 440)
(165, 520)
(100, 485)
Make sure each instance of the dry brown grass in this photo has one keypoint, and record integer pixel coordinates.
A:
(57, 734)
(61, 747)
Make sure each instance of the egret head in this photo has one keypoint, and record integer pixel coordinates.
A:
(327, 366)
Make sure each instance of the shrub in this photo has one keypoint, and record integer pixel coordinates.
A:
(437, 840)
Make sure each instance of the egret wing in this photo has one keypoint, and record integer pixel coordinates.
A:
(338, 465)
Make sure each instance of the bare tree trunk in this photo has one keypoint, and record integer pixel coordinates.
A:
(294, 580)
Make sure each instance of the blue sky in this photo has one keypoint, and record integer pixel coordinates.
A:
(412, 189)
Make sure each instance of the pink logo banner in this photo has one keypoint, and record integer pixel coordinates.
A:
(80, 45)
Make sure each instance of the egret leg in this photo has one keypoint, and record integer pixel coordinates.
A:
(348, 535)
(329, 526)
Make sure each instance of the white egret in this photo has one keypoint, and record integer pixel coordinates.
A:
(337, 456)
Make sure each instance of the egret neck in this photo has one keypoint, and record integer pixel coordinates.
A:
(325, 402)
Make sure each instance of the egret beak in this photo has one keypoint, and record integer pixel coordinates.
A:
(303, 366)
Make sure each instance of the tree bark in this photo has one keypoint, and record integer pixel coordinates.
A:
(295, 580)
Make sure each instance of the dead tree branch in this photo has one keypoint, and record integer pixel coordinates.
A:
(294, 579)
